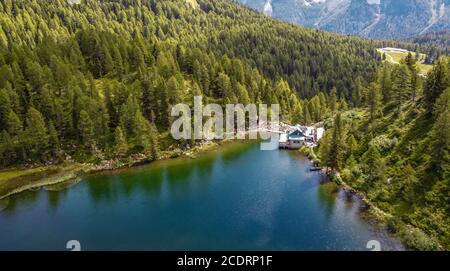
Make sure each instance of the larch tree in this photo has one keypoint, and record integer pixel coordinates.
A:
(36, 132)
(120, 143)
(337, 145)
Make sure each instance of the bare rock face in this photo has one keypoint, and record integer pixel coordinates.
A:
(384, 19)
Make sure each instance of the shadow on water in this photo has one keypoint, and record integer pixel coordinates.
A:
(23, 199)
(237, 150)
(179, 173)
(328, 193)
(4, 204)
(55, 197)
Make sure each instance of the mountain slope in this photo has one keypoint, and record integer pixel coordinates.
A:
(439, 39)
(383, 19)
(96, 79)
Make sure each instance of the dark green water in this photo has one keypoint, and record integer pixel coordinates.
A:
(236, 198)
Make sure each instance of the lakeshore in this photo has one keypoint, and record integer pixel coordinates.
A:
(17, 180)
(185, 203)
(405, 232)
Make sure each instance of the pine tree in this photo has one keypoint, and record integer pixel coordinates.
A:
(409, 182)
(147, 99)
(411, 63)
(297, 114)
(6, 149)
(443, 103)
(333, 101)
(86, 130)
(36, 133)
(401, 86)
(174, 90)
(374, 102)
(437, 81)
(385, 84)
(5, 107)
(440, 145)
(352, 146)
(142, 131)
(373, 165)
(357, 92)
(164, 106)
(53, 138)
(243, 94)
(343, 105)
(120, 143)
(337, 143)
(14, 124)
(306, 116)
(154, 151)
(224, 88)
(325, 150)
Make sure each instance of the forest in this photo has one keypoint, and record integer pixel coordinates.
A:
(396, 149)
(96, 80)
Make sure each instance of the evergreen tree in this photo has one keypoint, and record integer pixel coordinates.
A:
(14, 124)
(373, 165)
(297, 114)
(6, 149)
(401, 86)
(53, 138)
(175, 91)
(437, 81)
(325, 150)
(443, 103)
(147, 99)
(374, 102)
(154, 151)
(409, 183)
(337, 143)
(343, 105)
(86, 130)
(385, 83)
(142, 131)
(411, 63)
(357, 92)
(352, 146)
(5, 107)
(333, 101)
(306, 116)
(440, 146)
(36, 133)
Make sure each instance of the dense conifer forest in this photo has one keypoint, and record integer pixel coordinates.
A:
(90, 78)
(396, 149)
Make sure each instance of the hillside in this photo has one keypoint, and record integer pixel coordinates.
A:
(382, 19)
(438, 39)
(94, 81)
(396, 150)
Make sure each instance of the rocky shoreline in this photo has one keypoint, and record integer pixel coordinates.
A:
(372, 212)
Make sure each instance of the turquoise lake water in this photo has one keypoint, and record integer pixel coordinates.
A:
(234, 198)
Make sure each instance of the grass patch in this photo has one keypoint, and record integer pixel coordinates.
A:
(14, 173)
(16, 180)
